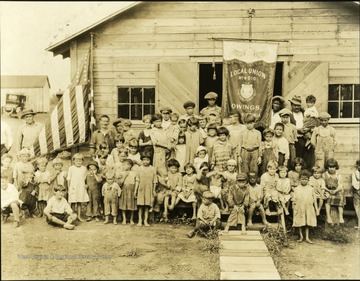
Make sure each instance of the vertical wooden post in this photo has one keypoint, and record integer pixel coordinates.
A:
(251, 13)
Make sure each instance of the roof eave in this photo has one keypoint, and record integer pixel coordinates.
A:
(63, 47)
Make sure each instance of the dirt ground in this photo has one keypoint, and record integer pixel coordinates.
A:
(93, 250)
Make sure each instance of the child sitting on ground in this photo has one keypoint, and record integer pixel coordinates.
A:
(256, 199)
(58, 211)
(9, 199)
(208, 216)
(239, 197)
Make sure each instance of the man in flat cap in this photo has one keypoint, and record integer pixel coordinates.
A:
(189, 107)
(165, 113)
(212, 106)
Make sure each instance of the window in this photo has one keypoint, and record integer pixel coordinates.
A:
(135, 102)
(344, 101)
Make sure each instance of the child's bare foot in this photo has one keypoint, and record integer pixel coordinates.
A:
(106, 221)
(266, 223)
(329, 221)
(151, 210)
(139, 224)
(309, 241)
(357, 227)
(80, 219)
(193, 218)
(97, 219)
(146, 224)
(124, 222)
(300, 239)
(114, 221)
(341, 220)
(249, 224)
(287, 212)
(132, 223)
(88, 219)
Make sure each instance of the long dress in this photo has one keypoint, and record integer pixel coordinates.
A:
(158, 137)
(304, 210)
(193, 140)
(77, 191)
(127, 199)
(147, 178)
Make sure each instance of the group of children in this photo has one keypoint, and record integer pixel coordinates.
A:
(185, 159)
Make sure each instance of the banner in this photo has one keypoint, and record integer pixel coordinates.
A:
(249, 72)
(70, 121)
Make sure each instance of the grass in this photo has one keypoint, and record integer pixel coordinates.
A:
(133, 253)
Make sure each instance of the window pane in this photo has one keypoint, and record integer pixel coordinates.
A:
(149, 109)
(136, 95)
(356, 109)
(136, 113)
(334, 109)
(123, 95)
(346, 92)
(357, 92)
(334, 92)
(123, 111)
(346, 110)
(149, 95)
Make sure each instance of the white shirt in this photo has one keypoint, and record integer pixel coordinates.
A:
(299, 118)
(56, 206)
(9, 195)
(354, 180)
(6, 135)
(311, 112)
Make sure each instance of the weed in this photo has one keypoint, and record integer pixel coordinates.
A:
(275, 239)
(134, 253)
(337, 234)
(211, 246)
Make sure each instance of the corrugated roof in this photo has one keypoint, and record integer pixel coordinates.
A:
(24, 81)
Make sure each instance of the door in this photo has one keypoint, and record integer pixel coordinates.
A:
(175, 84)
(304, 78)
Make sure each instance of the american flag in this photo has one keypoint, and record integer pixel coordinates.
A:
(72, 120)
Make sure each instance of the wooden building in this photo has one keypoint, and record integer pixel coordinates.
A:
(36, 88)
(153, 54)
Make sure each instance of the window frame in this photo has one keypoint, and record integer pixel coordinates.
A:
(347, 120)
(129, 87)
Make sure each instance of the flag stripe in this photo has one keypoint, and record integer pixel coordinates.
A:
(74, 119)
(67, 118)
(55, 128)
(80, 113)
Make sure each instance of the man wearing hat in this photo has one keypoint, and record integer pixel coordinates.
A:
(28, 132)
(212, 106)
(278, 103)
(165, 113)
(189, 107)
(208, 216)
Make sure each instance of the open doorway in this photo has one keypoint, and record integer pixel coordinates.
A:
(207, 83)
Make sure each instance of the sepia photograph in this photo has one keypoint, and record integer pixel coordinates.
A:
(180, 140)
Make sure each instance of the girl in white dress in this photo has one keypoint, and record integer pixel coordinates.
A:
(76, 183)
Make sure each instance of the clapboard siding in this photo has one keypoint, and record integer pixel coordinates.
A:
(321, 39)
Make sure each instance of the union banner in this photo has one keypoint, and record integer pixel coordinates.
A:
(249, 72)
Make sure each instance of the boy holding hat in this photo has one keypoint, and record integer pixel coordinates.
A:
(208, 216)
(210, 97)
(238, 198)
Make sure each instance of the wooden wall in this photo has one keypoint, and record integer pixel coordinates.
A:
(320, 35)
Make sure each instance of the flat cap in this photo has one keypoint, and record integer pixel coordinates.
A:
(208, 195)
(211, 95)
(285, 111)
(324, 115)
(189, 104)
(242, 177)
(165, 109)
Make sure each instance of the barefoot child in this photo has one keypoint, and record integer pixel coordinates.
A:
(93, 181)
(334, 190)
(318, 184)
(111, 192)
(145, 191)
(305, 207)
(76, 182)
(58, 211)
(269, 181)
(175, 182)
(239, 197)
(355, 177)
(42, 179)
(256, 199)
(129, 182)
(283, 187)
(208, 216)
